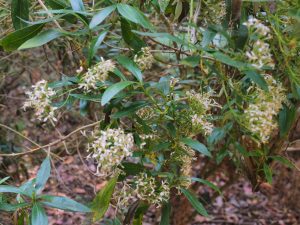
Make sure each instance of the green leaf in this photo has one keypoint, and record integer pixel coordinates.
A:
(100, 16)
(286, 118)
(64, 203)
(38, 215)
(28, 188)
(3, 180)
(101, 202)
(77, 5)
(43, 174)
(268, 173)
(165, 214)
(14, 40)
(134, 15)
(207, 183)
(131, 66)
(228, 61)
(19, 13)
(41, 39)
(60, 4)
(196, 145)
(194, 202)
(12, 207)
(9, 189)
(129, 37)
(257, 78)
(163, 4)
(191, 61)
(282, 160)
(113, 90)
(92, 98)
(95, 45)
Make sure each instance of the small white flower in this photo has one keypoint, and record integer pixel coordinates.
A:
(109, 148)
(40, 100)
(97, 73)
(148, 189)
(145, 60)
(260, 114)
(199, 122)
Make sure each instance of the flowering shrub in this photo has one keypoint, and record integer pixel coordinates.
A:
(181, 81)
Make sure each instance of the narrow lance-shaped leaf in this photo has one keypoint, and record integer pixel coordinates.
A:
(196, 145)
(100, 16)
(165, 214)
(101, 202)
(134, 15)
(195, 202)
(38, 215)
(268, 173)
(131, 66)
(19, 13)
(13, 40)
(113, 90)
(64, 203)
(95, 45)
(77, 5)
(41, 39)
(43, 174)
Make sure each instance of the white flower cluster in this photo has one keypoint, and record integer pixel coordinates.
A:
(260, 53)
(109, 148)
(148, 190)
(260, 114)
(145, 60)
(258, 27)
(200, 104)
(97, 73)
(186, 166)
(146, 113)
(124, 197)
(40, 100)
(200, 123)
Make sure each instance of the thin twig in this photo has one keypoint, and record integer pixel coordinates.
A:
(47, 145)
(49, 14)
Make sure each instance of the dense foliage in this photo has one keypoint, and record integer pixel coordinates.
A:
(171, 82)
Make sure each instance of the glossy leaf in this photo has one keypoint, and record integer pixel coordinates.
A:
(43, 174)
(77, 5)
(131, 66)
(133, 14)
(19, 13)
(268, 173)
(113, 90)
(207, 183)
(41, 39)
(195, 202)
(163, 4)
(101, 202)
(257, 79)
(14, 40)
(101, 16)
(287, 116)
(165, 214)
(95, 45)
(12, 207)
(196, 145)
(38, 215)
(129, 37)
(3, 180)
(64, 203)
(283, 160)
(9, 189)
